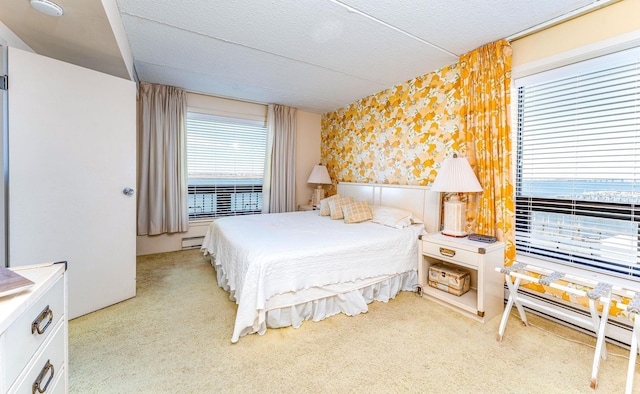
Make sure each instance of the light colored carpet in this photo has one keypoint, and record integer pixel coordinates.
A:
(174, 337)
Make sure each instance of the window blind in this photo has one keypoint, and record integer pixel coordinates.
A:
(578, 164)
(225, 160)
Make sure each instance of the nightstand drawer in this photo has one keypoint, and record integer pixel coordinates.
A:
(450, 253)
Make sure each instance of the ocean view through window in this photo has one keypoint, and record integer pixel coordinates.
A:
(225, 160)
(578, 164)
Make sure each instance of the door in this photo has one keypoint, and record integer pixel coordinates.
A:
(72, 139)
(3, 155)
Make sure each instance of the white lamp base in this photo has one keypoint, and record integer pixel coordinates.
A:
(454, 224)
(317, 196)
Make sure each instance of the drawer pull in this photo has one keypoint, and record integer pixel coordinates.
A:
(36, 385)
(447, 252)
(35, 325)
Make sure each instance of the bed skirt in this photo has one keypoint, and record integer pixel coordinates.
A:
(292, 309)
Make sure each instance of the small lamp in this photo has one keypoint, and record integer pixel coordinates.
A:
(455, 176)
(319, 176)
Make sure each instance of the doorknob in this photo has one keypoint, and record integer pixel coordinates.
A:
(127, 191)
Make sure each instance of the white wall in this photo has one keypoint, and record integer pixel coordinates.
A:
(150, 244)
(308, 141)
(604, 24)
(8, 38)
(226, 107)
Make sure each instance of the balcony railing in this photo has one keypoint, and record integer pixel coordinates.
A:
(212, 201)
(603, 236)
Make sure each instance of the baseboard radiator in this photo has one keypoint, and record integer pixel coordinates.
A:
(618, 330)
(192, 242)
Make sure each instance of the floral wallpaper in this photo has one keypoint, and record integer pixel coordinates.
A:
(402, 134)
(397, 136)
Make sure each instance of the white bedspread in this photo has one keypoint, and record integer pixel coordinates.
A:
(261, 256)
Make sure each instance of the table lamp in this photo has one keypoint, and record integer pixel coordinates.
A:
(319, 176)
(455, 176)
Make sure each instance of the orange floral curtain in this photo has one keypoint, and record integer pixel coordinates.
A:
(485, 131)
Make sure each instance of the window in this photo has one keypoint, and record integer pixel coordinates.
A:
(578, 164)
(225, 160)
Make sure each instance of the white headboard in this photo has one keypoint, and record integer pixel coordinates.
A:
(420, 200)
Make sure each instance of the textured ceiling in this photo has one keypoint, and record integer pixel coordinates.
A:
(316, 55)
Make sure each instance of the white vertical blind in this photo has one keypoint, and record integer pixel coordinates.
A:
(578, 164)
(225, 159)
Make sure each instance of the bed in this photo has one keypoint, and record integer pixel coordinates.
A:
(283, 269)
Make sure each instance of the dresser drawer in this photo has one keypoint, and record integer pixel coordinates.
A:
(57, 385)
(450, 253)
(48, 365)
(22, 339)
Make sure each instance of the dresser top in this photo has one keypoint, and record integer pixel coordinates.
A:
(13, 305)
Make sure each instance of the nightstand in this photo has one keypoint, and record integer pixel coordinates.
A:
(307, 208)
(485, 299)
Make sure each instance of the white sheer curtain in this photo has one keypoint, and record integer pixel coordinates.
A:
(162, 161)
(279, 184)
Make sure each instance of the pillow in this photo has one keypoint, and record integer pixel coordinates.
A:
(324, 205)
(393, 217)
(356, 212)
(408, 221)
(335, 206)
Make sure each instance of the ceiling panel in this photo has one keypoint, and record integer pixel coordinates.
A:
(460, 26)
(241, 90)
(318, 33)
(315, 55)
(243, 71)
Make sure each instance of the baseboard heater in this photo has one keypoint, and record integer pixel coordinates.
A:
(618, 331)
(192, 242)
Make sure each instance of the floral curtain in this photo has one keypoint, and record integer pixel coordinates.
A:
(485, 75)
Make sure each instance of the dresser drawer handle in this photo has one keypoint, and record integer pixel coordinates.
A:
(35, 325)
(36, 385)
(447, 252)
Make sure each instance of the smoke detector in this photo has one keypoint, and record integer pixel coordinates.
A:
(47, 7)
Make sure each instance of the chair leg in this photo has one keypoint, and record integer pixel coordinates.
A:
(633, 353)
(601, 350)
(513, 295)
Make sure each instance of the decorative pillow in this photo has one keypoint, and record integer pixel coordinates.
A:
(393, 217)
(335, 206)
(324, 205)
(406, 222)
(356, 212)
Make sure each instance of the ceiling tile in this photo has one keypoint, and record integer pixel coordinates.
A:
(319, 55)
(460, 26)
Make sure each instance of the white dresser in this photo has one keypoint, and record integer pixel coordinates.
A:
(33, 333)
